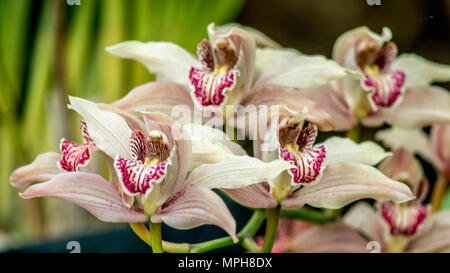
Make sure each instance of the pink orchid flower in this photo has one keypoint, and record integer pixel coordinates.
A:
(327, 175)
(149, 159)
(230, 66)
(407, 227)
(394, 89)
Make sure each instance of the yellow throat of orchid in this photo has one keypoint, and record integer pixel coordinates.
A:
(373, 70)
(149, 162)
(219, 70)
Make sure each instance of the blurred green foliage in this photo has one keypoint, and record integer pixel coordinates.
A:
(50, 49)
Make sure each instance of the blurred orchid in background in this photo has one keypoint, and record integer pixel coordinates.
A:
(396, 90)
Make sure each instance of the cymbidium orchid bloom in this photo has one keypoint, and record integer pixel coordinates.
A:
(407, 227)
(234, 64)
(435, 149)
(394, 89)
(327, 175)
(149, 158)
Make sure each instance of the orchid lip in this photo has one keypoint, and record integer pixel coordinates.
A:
(403, 219)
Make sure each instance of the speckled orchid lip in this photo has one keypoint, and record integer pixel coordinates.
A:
(385, 84)
(403, 219)
(296, 147)
(148, 164)
(74, 155)
(216, 75)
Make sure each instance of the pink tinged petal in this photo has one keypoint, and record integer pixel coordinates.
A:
(137, 178)
(344, 183)
(167, 60)
(260, 38)
(308, 164)
(421, 72)
(298, 70)
(330, 238)
(345, 47)
(403, 220)
(363, 218)
(194, 206)
(156, 96)
(420, 107)
(440, 145)
(412, 140)
(108, 130)
(386, 89)
(434, 235)
(89, 191)
(74, 156)
(402, 166)
(335, 104)
(271, 95)
(43, 168)
(208, 88)
(253, 196)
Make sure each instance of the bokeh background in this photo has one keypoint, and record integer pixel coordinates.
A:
(53, 48)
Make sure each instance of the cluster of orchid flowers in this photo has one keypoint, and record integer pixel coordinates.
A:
(164, 169)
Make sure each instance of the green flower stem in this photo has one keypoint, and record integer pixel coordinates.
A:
(354, 133)
(271, 228)
(250, 244)
(155, 235)
(248, 231)
(438, 192)
(310, 215)
(142, 232)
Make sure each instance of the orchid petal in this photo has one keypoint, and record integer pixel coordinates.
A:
(43, 168)
(297, 70)
(419, 71)
(326, 97)
(434, 235)
(341, 150)
(236, 172)
(344, 183)
(260, 38)
(155, 96)
(74, 156)
(109, 131)
(403, 220)
(330, 238)
(292, 99)
(253, 196)
(162, 58)
(386, 90)
(440, 145)
(402, 166)
(413, 140)
(194, 206)
(362, 217)
(421, 106)
(89, 191)
(345, 46)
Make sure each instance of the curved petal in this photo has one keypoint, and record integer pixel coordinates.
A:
(155, 96)
(327, 98)
(165, 59)
(362, 217)
(43, 168)
(340, 150)
(344, 48)
(75, 156)
(344, 183)
(419, 71)
(108, 130)
(434, 235)
(298, 70)
(194, 206)
(236, 172)
(89, 191)
(260, 38)
(386, 90)
(402, 166)
(253, 196)
(421, 106)
(330, 238)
